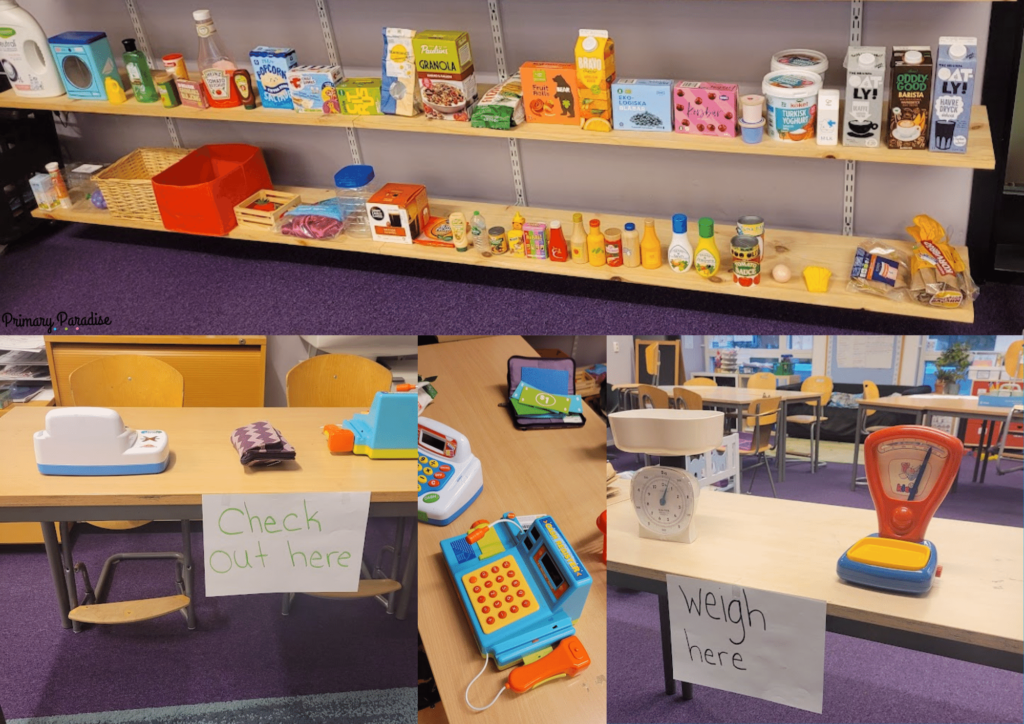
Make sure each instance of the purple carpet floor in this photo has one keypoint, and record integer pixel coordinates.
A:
(864, 681)
(160, 283)
(242, 648)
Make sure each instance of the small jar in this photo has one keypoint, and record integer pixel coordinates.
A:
(167, 89)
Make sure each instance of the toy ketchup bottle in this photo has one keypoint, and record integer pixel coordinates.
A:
(215, 65)
(557, 249)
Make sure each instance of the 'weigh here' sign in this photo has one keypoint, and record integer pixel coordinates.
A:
(281, 543)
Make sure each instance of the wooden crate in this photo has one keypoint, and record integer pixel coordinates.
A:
(265, 220)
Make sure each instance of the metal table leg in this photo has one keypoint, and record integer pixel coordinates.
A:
(666, 643)
(69, 571)
(988, 448)
(782, 430)
(57, 572)
(396, 559)
(861, 416)
(408, 574)
(980, 451)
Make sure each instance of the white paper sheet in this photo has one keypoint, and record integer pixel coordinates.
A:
(864, 352)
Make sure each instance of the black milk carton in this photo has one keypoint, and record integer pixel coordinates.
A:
(865, 86)
(955, 67)
(910, 97)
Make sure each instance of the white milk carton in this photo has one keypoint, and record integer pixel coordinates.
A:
(955, 68)
(865, 85)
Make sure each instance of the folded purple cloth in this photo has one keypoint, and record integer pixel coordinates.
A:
(260, 443)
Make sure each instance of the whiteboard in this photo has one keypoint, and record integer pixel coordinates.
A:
(865, 352)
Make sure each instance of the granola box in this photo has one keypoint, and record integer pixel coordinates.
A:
(447, 79)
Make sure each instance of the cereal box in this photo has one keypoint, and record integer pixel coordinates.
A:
(595, 73)
(399, 91)
(707, 109)
(444, 64)
(270, 67)
(398, 212)
(314, 88)
(642, 105)
(549, 93)
(360, 96)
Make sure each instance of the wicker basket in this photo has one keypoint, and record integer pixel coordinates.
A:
(127, 185)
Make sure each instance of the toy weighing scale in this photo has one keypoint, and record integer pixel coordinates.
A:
(95, 441)
(384, 432)
(665, 498)
(910, 469)
(449, 477)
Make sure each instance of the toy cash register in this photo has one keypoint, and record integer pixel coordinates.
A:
(385, 432)
(449, 476)
(95, 441)
(910, 469)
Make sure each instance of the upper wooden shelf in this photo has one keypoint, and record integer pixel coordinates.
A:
(980, 154)
(796, 249)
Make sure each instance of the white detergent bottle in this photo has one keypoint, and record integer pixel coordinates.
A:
(680, 251)
(25, 54)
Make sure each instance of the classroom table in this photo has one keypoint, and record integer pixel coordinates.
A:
(556, 472)
(203, 461)
(972, 613)
(924, 408)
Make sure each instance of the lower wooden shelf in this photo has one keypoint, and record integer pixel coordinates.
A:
(796, 249)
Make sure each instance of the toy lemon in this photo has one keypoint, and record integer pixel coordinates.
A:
(816, 278)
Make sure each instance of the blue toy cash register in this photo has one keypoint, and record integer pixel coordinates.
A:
(384, 432)
(449, 475)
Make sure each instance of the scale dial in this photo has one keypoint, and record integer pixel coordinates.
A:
(665, 500)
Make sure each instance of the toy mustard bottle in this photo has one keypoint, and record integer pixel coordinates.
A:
(557, 250)
(680, 252)
(518, 221)
(706, 259)
(595, 244)
(457, 220)
(650, 246)
(578, 240)
(630, 245)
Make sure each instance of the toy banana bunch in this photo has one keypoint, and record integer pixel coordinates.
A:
(939, 276)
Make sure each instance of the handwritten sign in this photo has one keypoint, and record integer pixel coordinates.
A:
(748, 641)
(309, 542)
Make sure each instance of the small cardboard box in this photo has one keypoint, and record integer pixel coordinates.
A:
(360, 96)
(444, 66)
(314, 88)
(270, 67)
(549, 93)
(705, 109)
(642, 105)
(398, 212)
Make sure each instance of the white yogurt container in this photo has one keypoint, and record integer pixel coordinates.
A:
(801, 59)
(792, 98)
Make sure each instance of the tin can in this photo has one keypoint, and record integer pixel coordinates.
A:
(499, 244)
(167, 89)
(613, 247)
(752, 226)
(746, 260)
(175, 65)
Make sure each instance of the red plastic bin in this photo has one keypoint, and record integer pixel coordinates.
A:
(198, 194)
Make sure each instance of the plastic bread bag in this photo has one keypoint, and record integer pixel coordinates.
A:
(938, 275)
(881, 270)
(501, 107)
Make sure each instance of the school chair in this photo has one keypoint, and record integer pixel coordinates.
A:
(1014, 361)
(684, 399)
(1002, 453)
(700, 382)
(336, 380)
(762, 381)
(651, 397)
(127, 380)
(762, 415)
(870, 393)
(823, 387)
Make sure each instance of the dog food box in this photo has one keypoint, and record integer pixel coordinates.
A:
(865, 88)
(360, 96)
(314, 88)
(642, 105)
(595, 73)
(270, 67)
(399, 91)
(955, 68)
(549, 93)
(910, 97)
(444, 64)
(398, 212)
(705, 109)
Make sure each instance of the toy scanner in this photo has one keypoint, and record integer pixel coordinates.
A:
(384, 432)
(449, 475)
(95, 441)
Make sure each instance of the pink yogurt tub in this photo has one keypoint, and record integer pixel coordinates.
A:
(705, 109)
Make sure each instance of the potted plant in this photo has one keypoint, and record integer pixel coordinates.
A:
(951, 368)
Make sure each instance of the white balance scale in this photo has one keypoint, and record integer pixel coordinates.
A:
(665, 498)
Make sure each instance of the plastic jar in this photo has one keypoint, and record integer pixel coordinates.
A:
(801, 59)
(792, 98)
(355, 185)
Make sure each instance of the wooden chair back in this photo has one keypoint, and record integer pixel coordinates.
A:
(127, 380)
(762, 381)
(762, 416)
(820, 384)
(687, 399)
(700, 382)
(1015, 360)
(652, 397)
(336, 380)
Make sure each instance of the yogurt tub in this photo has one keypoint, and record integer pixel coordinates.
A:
(792, 97)
(801, 59)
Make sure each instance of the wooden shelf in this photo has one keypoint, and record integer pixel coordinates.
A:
(797, 249)
(980, 154)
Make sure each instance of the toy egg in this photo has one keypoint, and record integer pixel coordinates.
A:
(781, 273)
(97, 199)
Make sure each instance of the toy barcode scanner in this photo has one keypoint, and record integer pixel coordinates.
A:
(522, 587)
(385, 431)
(910, 469)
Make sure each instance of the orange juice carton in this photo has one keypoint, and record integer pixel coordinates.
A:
(550, 94)
(705, 109)
(595, 73)
(444, 65)
(398, 212)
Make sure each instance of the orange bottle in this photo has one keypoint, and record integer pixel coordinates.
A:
(595, 244)
(650, 246)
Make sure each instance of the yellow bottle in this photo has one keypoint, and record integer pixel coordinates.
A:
(518, 221)
(706, 259)
(595, 244)
(578, 241)
(650, 246)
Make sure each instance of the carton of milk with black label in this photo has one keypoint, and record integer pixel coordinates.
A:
(955, 68)
(865, 81)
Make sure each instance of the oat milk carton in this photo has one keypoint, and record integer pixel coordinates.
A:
(865, 87)
(910, 97)
(955, 68)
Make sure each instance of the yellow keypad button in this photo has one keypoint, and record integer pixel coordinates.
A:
(422, 478)
(434, 463)
(496, 609)
(423, 459)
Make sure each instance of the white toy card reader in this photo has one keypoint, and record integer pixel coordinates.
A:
(449, 474)
(95, 441)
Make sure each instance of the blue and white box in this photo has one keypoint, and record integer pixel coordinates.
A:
(642, 105)
(85, 60)
(270, 67)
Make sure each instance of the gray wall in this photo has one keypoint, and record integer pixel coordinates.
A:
(700, 40)
(1015, 166)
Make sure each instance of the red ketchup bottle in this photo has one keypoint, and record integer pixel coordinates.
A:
(557, 249)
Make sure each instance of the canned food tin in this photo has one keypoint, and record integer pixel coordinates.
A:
(499, 244)
(175, 65)
(746, 260)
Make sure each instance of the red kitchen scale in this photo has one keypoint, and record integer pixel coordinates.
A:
(910, 469)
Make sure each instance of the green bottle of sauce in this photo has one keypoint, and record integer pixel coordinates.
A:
(139, 73)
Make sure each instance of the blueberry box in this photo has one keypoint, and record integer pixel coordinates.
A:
(642, 105)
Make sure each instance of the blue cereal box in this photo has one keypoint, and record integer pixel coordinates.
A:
(314, 88)
(642, 105)
(270, 67)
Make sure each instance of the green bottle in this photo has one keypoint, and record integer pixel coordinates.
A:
(139, 74)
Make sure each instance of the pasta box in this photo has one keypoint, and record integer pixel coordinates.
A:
(398, 212)
(444, 66)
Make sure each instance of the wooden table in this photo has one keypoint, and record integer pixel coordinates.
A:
(924, 408)
(559, 472)
(972, 613)
(203, 461)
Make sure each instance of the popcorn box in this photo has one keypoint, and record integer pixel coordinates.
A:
(270, 67)
(642, 105)
(707, 109)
